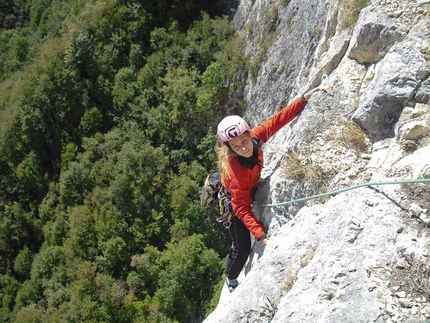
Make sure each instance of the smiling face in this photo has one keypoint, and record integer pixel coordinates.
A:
(242, 145)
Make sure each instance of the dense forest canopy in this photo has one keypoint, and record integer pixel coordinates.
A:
(104, 144)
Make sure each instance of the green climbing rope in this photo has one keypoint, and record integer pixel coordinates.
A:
(407, 181)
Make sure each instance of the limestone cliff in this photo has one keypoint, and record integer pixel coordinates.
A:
(360, 255)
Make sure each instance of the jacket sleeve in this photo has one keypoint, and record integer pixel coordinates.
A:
(241, 200)
(268, 128)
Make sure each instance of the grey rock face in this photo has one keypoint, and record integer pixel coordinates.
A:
(358, 255)
(397, 78)
(401, 76)
(330, 265)
(288, 50)
(423, 93)
(375, 34)
(414, 123)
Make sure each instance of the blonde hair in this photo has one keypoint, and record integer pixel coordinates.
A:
(224, 155)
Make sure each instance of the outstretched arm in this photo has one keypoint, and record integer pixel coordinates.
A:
(328, 89)
(305, 97)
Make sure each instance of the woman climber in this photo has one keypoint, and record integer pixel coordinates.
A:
(240, 159)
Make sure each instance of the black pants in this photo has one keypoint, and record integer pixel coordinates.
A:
(240, 248)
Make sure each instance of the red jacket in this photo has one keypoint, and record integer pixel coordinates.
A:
(243, 179)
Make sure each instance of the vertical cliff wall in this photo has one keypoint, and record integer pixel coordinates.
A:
(361, 255)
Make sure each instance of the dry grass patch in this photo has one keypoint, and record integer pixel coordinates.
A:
(300, 167)
(352, 135)
(304, 261)
(413, 278)
(313, 164)
(348, 134)
(290, 280)
(307, 257)
(350, 10)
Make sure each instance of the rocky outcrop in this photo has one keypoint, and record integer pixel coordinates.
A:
(329, 265)
(378, 33)
(396, 80)
(361, 254)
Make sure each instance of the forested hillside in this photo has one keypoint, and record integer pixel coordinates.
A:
(104, 117)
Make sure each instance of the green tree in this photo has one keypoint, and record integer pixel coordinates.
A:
(82, 238)
(30, 313)
(101, 161)
(29, 293)
(75, 183)
(147, 268)
(12, 14)
(124, 90)
(23, 261)
(18, 48)
(19, 228)
(184, 282)
(79, 52)
(9, 287)
(206, 150)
